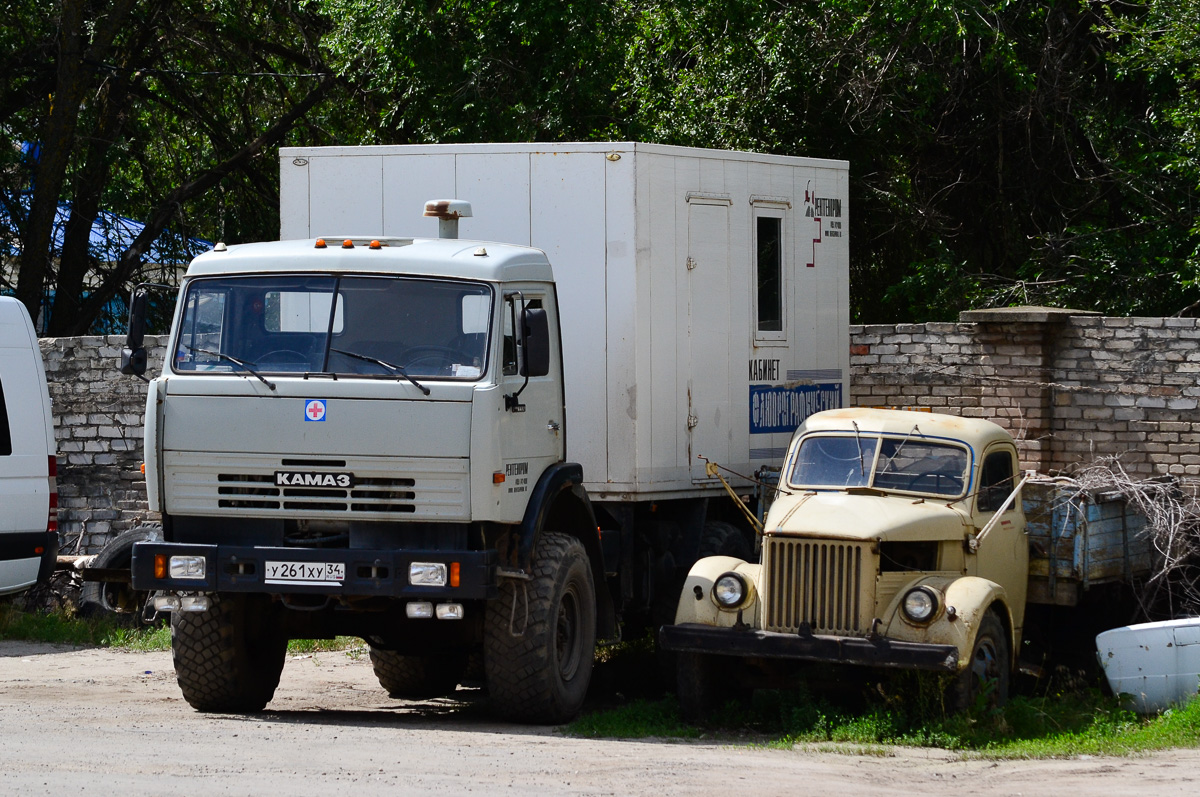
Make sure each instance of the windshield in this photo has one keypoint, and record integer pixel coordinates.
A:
(903, 464)
(387, 327)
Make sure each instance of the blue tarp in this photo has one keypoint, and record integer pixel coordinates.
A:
(112, 234)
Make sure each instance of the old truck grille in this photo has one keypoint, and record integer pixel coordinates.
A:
(383, 489)
(828, 585)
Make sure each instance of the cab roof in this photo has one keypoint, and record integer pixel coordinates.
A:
(435, 257)
(973, 431)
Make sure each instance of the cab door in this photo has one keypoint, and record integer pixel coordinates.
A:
(1003, 555)
(532, 422)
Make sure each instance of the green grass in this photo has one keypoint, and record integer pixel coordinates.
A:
(907, 711)
(638, 719)
(62, 628)
(352, 645)
(54, 627)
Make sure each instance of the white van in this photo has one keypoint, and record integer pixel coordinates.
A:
(28, 470)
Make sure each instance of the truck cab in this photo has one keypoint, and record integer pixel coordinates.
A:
(896, 540)
(365, 437)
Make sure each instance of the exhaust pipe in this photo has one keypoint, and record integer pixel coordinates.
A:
(448, 212)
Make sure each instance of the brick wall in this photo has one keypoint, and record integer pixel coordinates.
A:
(1070, 387)
(98, 429)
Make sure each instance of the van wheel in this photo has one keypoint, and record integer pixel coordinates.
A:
(98, 598)
(417, 677)
(984, 681)
(540, 636)
(228, 658)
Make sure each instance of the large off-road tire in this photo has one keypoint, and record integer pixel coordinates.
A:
(540, 636)
(985, 679)
(228, 659)
(417, 677)
(100, 598)
(724, 539)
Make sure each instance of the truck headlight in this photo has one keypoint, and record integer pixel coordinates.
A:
(920, 605)
(186, 567)
(427, 574)
(730, 590)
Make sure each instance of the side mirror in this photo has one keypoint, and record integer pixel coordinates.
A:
(133, 355)
(537, 342)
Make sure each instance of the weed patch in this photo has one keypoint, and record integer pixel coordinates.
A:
(907, 711)
(60, 627)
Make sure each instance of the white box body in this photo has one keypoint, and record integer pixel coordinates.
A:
(654, 254)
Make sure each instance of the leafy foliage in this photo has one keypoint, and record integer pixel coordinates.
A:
(1002, 152)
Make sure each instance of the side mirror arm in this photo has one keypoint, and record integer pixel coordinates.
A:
(133, 354)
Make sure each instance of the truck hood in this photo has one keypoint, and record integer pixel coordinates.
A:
(864, 517)
(382, 419)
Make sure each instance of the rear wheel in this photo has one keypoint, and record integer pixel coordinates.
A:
(724, 539)
(228, 658)
(985, 679)
(417, 677)
(540, 636)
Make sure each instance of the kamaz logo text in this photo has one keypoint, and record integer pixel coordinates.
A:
(284, 478)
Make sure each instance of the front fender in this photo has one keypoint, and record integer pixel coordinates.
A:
(970, 598)
(699, 607)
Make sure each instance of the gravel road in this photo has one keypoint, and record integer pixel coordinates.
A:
(101, 721)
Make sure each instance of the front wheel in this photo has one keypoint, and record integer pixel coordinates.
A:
(228, 658)
(984, 681)
(540, 636)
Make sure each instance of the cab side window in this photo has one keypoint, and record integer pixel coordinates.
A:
(996, 482)
(512, 317)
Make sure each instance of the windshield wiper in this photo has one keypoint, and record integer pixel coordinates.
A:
(917, 430)
(399, 369)
(236, 361)
(862, 468)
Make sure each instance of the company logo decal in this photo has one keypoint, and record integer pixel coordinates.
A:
(776, 409)
(291, 478)
(826, 214)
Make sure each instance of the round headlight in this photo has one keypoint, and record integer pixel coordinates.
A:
(920, 605)
(729, 590)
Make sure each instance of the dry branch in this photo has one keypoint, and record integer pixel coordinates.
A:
(1172, 511)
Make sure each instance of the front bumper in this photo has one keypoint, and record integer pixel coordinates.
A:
(748, 642)
(367, 573)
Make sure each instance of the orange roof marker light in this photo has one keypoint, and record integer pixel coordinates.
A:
(347, 244)
(320, 244)
(376, 245)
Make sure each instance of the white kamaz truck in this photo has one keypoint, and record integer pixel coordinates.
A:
(452, 450)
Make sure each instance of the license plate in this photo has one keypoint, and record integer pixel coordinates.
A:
(305, 573)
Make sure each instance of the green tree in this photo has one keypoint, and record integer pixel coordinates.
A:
(143, 108)
(997, 154)
(473, 70)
